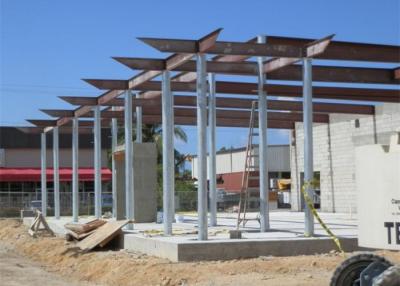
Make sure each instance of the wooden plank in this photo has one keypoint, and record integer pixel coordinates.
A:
(107, 240)
(101, 234)
(78, 236)
(84, 227)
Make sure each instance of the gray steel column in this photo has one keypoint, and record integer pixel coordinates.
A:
(139, 124)
(97, 162)
(168, 153)
(43, 178)
(75, 162)
(114, 143)
(263, 143)
(201, 87)
(128, 159)
(308, 142)
(212, 164)
(56, 176)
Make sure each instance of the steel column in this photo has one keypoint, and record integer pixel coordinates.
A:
(128, 159)
(308, 143)
(114, 143)
(139, 124)
(97, 162)
(168, 153)
(75, 162)
(43, 178)
(201, 87)
(263, 143)
(212, 165)
(56, 176)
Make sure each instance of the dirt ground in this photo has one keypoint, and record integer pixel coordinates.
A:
(23, 259)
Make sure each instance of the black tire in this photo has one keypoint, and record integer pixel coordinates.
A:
(347, 273)
(390, 277)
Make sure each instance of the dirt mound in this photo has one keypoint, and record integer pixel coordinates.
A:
(129, 268)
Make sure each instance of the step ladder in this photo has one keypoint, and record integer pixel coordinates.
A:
(249, 168)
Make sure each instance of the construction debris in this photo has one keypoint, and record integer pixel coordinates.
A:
(35, 230)
(78, 231)
(102, 235)
(81, 228)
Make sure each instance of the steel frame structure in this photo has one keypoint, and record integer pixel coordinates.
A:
(278, 58)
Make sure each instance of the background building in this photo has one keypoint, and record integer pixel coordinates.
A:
(334, 154)
(231, 165)
(20, 168)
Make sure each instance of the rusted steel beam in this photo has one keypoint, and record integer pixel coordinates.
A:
(79, 100)
(62, 130)
(58, 112)
(337, 74)
(225, 48)
(342, 93)
(245, 103)
(396, 73)
(311, 50)
(221, 113)
(290, 73)
(191, 76)
(350, 51)
(108, 83)
(221, 122)
(52, 122)
(42, 122)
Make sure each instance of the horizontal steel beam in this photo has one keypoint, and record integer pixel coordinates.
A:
(221, 122)
(349, 51)
(58, 112)
(240, 103)
(277, 70)
(342, 93)
(225, 48)
(221, 113)
(63, 129)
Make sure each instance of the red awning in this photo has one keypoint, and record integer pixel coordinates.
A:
(33, 174)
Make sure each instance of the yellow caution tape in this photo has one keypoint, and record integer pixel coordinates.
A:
(310, 204)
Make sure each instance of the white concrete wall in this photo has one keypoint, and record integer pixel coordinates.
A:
(28, 158)
(334, 154)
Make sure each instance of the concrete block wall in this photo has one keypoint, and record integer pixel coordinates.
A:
(334, 154)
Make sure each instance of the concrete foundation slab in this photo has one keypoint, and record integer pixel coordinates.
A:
(285, 239)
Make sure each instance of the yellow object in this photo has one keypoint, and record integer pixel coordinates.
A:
(284, 184)
(310, 204)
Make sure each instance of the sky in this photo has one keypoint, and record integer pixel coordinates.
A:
(47, 47)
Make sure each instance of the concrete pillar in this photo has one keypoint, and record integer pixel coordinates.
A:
(168, 153)
(129, 196)
(263, 143)
(97, 162)
(43, 178)
(139, 124)
(201, 87)
(56, 177)
(212, 164)
(75, 162)
(114, 143)
(308, 142)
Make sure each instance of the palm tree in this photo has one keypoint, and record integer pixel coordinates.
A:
(153, 133)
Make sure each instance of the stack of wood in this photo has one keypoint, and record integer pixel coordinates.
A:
(102, 236)
(78, 231)
(94, 233)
